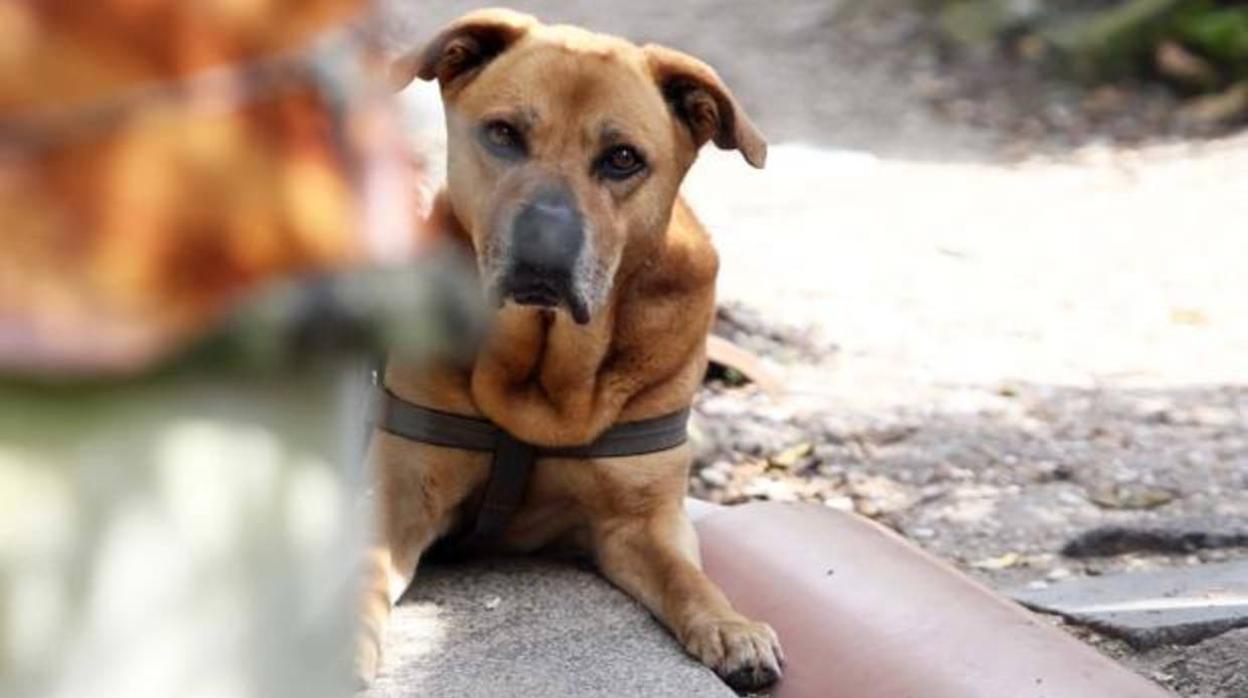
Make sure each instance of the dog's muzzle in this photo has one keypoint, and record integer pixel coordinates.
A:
(547, 239)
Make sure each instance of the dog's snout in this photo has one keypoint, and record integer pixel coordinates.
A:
(548, 232)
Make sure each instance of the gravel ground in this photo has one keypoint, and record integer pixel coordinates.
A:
(994, 349)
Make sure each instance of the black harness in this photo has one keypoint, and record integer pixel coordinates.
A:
(513, 458)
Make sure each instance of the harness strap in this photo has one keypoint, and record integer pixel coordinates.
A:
(429, 426)
(509, 478)
(513, 459)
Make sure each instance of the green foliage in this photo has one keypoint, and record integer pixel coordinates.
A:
(1108, 39)
(1111, 42)
(1218, 31)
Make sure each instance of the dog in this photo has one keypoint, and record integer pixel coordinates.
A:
(566, 152)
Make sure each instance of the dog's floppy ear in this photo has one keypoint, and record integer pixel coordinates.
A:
(462, 48)
(700, 99)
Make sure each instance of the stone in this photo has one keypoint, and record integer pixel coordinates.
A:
(1147, 609)
(772, 490)
(876, 495)
(715, 476)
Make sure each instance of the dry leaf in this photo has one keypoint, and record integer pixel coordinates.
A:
(791, 456)
(1001, 562)
(1132, 497)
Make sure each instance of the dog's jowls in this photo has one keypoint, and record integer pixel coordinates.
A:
(566, 151)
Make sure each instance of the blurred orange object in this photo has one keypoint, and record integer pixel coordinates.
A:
(158, 159)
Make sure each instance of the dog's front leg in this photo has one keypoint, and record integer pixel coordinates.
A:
(655, 559)
(376, 602)
(418, 490)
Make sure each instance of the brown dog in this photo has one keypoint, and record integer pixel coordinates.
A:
(566, 153)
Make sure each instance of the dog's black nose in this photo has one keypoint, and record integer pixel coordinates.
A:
(548, 233)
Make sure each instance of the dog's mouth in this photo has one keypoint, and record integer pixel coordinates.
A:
(535, 288)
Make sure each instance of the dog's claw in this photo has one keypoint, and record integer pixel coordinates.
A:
(745, 654)
(751, 678)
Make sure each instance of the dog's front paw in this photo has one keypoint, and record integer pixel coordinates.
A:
(367, 660)
(745, 654)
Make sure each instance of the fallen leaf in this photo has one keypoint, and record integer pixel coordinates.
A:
(791, 456)
(1001, 562)
(1184, 67)
(1131, 497)
(1216, 109)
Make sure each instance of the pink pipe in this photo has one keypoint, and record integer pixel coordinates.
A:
(863, 614)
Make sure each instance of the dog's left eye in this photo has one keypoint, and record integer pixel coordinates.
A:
(620, 163)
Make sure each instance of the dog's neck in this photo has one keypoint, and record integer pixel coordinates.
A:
(541, 360)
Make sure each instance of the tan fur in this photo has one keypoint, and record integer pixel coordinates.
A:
(549, 381)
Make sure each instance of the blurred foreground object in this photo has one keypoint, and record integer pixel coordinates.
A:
(159, 160)
(194, 199)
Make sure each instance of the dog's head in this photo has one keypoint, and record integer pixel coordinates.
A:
(567, 149)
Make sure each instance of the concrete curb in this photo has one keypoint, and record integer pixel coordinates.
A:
(531, 627)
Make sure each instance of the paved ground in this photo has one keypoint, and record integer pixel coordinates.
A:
(1009, 355)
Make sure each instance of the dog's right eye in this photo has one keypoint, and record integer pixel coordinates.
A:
(620, 163)
(503, 140)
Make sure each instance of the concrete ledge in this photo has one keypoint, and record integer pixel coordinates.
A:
(529, 627)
